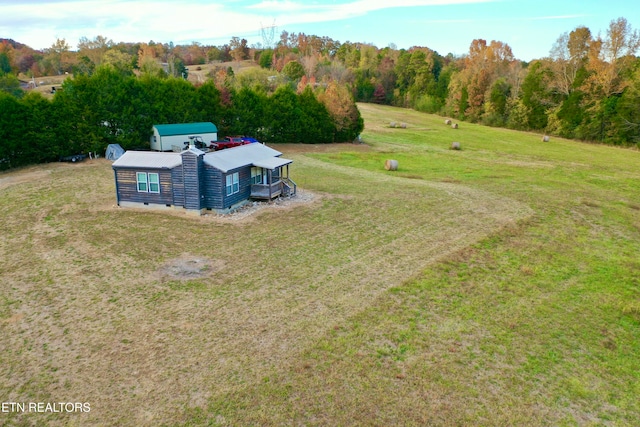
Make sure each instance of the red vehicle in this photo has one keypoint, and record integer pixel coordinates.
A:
(229, 142)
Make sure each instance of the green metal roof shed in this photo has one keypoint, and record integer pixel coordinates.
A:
(165, 136)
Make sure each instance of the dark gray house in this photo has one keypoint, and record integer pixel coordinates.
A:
(195, 181)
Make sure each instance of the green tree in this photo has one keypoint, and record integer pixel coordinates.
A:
(535, 96)
(318, 126)
(248, 112)
(119, 60)
(42, 128)
(627, 121)
(14, 149)
(496, 107)
(210, 103)
(294, 70)
(10, 84)
(283, 116)
(5, 63)
(266, 58)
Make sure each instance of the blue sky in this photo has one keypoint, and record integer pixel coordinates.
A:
(530, 27)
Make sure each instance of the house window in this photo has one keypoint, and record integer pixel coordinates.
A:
(154, 183)
(141, 178)
(256, 175)
(233, 183)
(148, 182)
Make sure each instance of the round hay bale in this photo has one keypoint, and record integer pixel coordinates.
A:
(545, 138)
(391, 165)
(454, 126)
(403, 125)
(392, 124)
(456, 146)
(447, 122)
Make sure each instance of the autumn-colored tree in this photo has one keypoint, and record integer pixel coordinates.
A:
(310, 64)
(119, 60)
(58, 57)
(569, 55)
(94, 49)
(386, 76)
(239, 49)
(334, 71)
(470, 87)
(610, 61)
(343, 110)
(146, 53)
(609, 58)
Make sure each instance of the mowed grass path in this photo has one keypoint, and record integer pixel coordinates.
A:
(497, 285)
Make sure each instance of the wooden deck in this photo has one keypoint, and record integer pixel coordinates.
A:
(261, 191)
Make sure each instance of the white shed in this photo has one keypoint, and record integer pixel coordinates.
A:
(165, 137)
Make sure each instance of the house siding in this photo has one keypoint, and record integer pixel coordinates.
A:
(127, 187)
(192, 166)
(244, 176)
(214, 188)
(178, 186)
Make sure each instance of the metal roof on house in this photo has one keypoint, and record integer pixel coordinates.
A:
(186, 128)
(148, 159)
(250, 154)
(225, 160)
(272, 162)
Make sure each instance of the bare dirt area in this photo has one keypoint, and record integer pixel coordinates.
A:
(187, 267)
(29, 174)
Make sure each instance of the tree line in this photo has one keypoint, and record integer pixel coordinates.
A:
(114, 105)
(588, 88)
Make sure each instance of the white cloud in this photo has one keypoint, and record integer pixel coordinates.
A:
(40, 23)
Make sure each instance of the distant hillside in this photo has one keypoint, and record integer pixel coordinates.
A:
(14, 44)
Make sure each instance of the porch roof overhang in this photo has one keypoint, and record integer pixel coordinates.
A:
(272, 162)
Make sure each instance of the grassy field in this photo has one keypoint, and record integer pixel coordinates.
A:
(496, 285)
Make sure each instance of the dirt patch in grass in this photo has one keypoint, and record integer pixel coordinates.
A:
(28, 174)
(189, 267)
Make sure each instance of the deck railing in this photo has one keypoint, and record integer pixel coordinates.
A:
(266, 191)
(283, 186)
(289, 187)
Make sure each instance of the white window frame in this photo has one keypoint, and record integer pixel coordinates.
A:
(155, 182)
(233, 183)
(150, 182)
(256, 175)
(142, 178)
